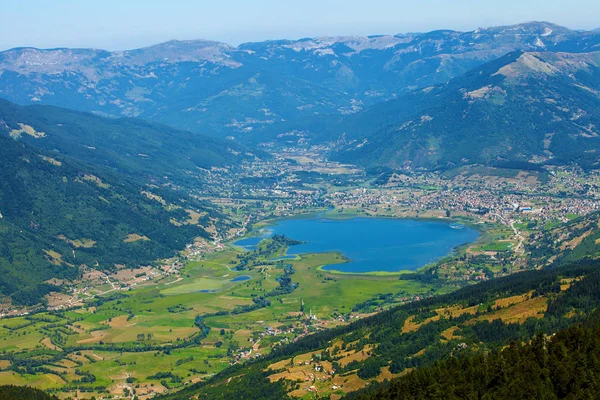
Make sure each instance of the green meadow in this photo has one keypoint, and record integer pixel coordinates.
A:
(147, 338)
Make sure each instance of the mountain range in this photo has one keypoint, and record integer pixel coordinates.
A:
(525, 107)
(258, 91)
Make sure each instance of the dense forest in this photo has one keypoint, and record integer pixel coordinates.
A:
(58, 214)
(562, 366)
(23, 393)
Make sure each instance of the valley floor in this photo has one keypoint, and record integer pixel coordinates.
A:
(148, 340)
(162, 328)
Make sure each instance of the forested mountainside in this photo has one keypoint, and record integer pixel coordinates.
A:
(8, 392)
(140, 149)
(522, 108)
(58, 215)
(267, 88)
(561, 366)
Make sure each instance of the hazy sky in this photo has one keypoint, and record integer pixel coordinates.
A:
(125, 24)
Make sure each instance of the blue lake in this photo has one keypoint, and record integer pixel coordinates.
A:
(241, 278)
(372, 244)
(249, 243)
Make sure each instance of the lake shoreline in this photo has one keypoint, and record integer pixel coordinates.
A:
(260, 227)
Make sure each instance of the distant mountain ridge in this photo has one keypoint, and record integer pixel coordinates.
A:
(259, 90)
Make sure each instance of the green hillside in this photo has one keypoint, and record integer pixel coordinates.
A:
(134, 147)
(524, 107)
(563, 366)
(59, 214)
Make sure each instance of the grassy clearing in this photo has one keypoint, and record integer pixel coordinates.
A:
(498, 246)
(134, 237)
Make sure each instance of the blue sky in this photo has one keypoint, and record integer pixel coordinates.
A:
(124, 24)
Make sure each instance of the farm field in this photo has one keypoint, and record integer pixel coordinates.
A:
(155, 339)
